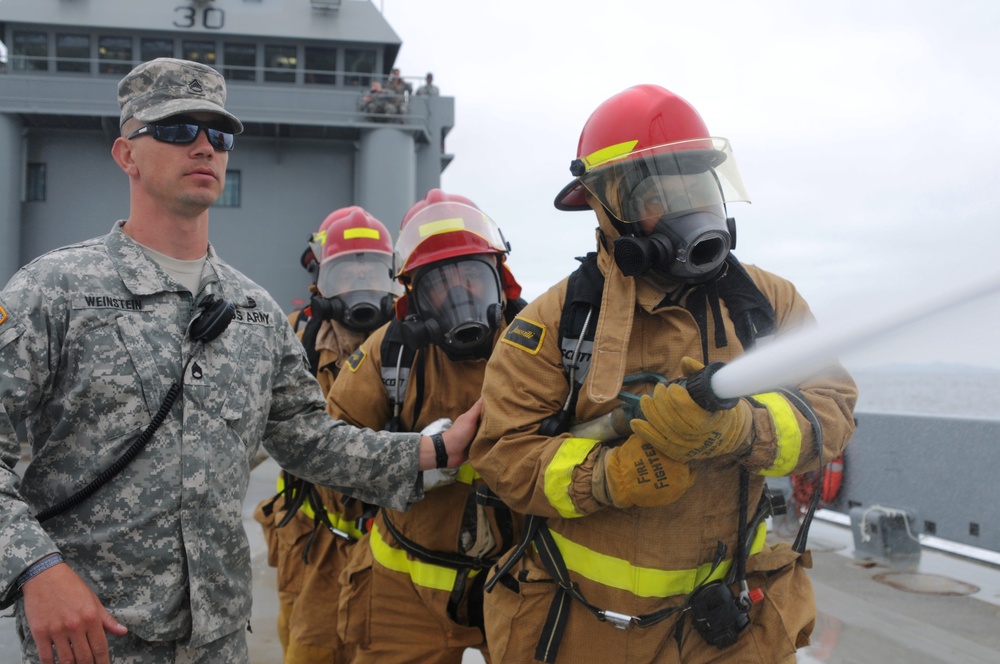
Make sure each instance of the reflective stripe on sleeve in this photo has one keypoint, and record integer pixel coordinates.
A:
(643, 581)
(788, 435)
(421, 573)
(559, 474)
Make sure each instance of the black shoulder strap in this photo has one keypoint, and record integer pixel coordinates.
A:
(513, 308)
(751, 312)
(312, 326)
(583, 296)
(397, 359)
(392, 346)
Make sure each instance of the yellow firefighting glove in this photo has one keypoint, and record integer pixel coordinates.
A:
(637, 474)
(683, 430)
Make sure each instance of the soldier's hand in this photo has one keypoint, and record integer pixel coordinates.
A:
(66, 618)
(683, 430)
(636, 473)
(456, 440)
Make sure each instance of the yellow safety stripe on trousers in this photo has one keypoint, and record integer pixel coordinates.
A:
(336, 518)
(423, 574)
(559, 474)
(788, 435)
(643, 581)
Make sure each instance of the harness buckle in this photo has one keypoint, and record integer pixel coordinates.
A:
(618, 620)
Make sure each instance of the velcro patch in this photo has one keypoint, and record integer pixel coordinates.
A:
(3, 315)
(525, 334)
(355, 359)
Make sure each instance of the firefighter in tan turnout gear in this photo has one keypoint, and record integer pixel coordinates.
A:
(412, 590)
(648, 545)
(350, 257)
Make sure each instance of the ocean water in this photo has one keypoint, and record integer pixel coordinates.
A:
(929, 390)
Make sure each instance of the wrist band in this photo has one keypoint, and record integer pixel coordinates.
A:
(440, 451)
(34, 570)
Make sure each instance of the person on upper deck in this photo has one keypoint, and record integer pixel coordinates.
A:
(428, 89)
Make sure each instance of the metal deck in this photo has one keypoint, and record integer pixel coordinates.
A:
(861, 619)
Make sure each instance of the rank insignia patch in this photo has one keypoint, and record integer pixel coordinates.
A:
(525, 334)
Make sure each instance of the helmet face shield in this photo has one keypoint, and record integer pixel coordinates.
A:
(445, 230)
(463, 299)
(666, 180)
(363, 271)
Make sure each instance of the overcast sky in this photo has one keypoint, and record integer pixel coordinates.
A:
(866, 133)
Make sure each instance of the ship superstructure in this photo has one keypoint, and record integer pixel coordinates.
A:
(296, 70)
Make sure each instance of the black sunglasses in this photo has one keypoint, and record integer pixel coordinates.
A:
(186, 132)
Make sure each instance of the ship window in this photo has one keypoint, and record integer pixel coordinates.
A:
(35, 189)
(321, 65)
(153, 48)
(199, 51)
(114, 55)
(231, 194)
(30, 51)
(73, 53)
(240, 61)
(280, 63)
(359, 63)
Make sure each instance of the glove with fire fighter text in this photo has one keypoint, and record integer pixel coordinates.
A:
(683, 430)
(637, 474)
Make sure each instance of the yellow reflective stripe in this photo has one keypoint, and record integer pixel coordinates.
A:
(421, 573)
(466, 474)
(559, 474)
(336, 518)
(354, 233)
(611, 152)
(787, 432)
(441, 226)
(643, 581)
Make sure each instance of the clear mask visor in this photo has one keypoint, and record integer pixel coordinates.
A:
(463, 298)
(362, 271)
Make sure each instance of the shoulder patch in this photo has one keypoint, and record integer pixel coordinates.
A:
(3, 315)
(355, 359)
(525, 334)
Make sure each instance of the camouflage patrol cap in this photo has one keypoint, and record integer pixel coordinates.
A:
(163, 87)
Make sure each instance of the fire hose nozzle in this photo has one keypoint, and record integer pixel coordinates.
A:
(699, 386)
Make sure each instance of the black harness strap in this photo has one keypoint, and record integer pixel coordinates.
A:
(448, 559)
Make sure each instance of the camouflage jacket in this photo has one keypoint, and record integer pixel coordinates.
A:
(91, 338)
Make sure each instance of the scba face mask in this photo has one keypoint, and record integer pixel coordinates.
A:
(356, 290)
(676, 226)
(689, 247)
(359, 311)
(458, 305)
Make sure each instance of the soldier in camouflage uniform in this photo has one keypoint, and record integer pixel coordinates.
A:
(377, 103)
(95, 338)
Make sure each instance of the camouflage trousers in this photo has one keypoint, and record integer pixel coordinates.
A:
(128, 649)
